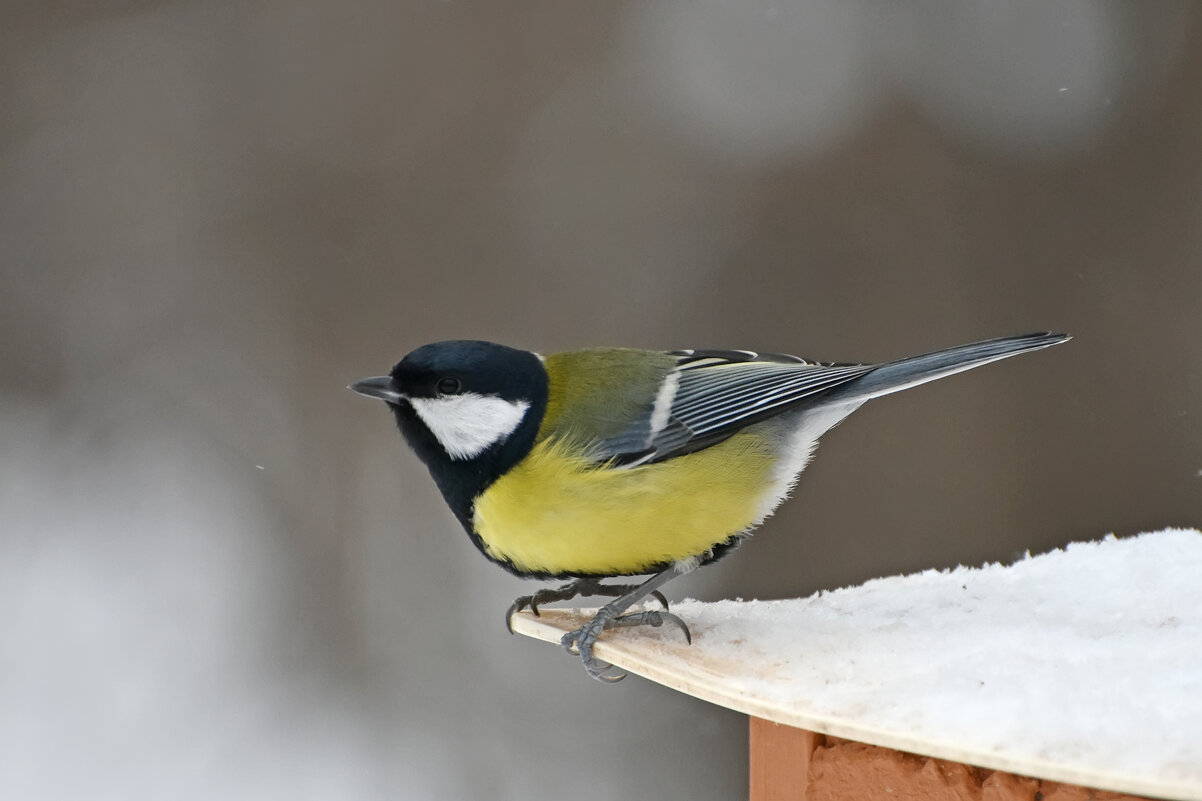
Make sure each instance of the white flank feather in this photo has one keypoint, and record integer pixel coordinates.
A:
(798, 449)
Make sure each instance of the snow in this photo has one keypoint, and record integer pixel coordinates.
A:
(1086, 659)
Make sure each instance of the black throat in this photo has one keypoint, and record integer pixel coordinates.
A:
(463, 480)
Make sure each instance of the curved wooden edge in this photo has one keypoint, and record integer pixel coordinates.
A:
(656, 655)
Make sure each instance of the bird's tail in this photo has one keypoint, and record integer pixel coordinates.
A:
(906, 373)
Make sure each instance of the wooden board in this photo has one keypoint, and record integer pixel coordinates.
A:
(779, 759)
(753, 684)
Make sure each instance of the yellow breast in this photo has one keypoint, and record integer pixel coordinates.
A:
(560, 514)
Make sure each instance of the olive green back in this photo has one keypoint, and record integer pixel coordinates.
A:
(600, 390)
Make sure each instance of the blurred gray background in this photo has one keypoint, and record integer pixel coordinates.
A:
(223, 576)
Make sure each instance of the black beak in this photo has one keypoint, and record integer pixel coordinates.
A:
(381, 387)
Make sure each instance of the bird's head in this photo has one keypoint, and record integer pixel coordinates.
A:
(469, 409)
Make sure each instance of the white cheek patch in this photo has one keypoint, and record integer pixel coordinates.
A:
(467, 425)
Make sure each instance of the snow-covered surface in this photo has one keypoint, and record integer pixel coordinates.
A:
(1080, 665)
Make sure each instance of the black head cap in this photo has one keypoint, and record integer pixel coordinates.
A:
(485, 368)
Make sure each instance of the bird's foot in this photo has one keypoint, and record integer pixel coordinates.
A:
(580, 588)
(582, 640)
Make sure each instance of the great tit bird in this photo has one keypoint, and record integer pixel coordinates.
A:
(610, 462)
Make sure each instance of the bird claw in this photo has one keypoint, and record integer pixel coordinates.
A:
(573, 589)
(518, 605)
(581, 641)
(680, 624)
(611, 616)
(544, 596)
(579, 644)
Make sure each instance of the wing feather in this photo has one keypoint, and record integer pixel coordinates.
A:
(711, 394)
(716, 394)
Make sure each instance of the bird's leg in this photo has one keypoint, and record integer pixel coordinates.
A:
(582, 587)
(611, 616)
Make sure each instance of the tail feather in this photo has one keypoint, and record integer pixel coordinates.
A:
(915, 370)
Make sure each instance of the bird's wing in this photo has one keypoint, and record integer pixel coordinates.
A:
(711, 394)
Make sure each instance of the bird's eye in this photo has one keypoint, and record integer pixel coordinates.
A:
(448, 386)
